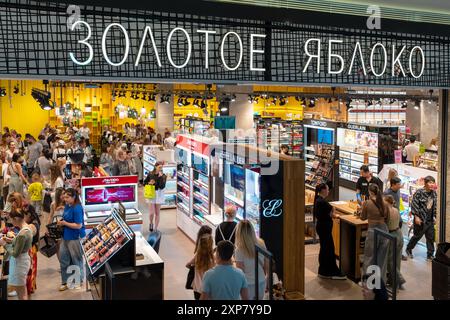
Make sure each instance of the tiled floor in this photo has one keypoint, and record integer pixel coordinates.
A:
(176, 249)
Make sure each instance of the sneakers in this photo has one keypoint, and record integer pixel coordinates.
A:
(63, 287)
(430, 257)
(150, 228)
(404, 258)
(12, 294)
(409, 253)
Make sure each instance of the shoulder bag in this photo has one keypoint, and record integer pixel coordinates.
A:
(190, 277)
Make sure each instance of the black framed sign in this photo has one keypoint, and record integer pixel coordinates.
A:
(55, 40)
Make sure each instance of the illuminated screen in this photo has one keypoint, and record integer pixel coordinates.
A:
(109, 194)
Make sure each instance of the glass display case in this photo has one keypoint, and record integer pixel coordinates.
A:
(253, 198)
(358, 145)
(234, 188)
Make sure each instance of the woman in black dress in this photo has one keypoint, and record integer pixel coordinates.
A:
(324, 212)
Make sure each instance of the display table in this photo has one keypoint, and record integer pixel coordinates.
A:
(353, 233)
(342, 208)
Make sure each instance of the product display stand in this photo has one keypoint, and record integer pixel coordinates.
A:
(193, 183)
(274, 132)
(129, 270)
(360, 144)
(267, 186)
(99, 194)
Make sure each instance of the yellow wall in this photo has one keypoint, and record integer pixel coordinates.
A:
(22, 113)
(292, 110)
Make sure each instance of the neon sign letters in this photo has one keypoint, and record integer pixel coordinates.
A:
(321, 56)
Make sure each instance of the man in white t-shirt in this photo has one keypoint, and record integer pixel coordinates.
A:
(411, 150)
(84, 131)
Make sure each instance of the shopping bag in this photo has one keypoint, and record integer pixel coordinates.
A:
(149, 191)
(401, 205)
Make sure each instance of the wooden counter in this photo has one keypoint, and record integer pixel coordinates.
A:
(351, 245)
(343, 208)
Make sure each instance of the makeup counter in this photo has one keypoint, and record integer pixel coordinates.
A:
(120, 262)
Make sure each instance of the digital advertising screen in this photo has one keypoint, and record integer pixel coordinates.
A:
(252, 198)
(234, 183)
(105, 195)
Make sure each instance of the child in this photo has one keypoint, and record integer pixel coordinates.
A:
(35, 191)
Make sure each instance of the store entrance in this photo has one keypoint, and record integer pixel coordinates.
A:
(335, 131)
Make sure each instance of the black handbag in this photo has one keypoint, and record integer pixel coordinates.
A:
(47, 202)
(55, 231)
(190, 277)
(48, 246)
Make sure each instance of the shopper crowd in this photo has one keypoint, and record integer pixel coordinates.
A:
(38, 191)
(227, 272)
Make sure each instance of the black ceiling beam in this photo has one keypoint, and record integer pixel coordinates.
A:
(208, 8)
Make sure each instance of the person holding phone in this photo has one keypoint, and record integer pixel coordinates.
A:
(70, 253)
(158, 179)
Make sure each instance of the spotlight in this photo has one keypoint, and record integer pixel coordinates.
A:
(274, 100)
(348, 104)
(186, 102)
(144, 96)
(416, 106)
(196, 103)
(16, 89)
(404, 105)
(2, 92)
(152, 97)
(282, 101)
(165, 98)
(203, 105)
(330, 100)
(122, 94)
(180, 101)
(224, 109)
(312, 103)
(233, 98)
(43, 98)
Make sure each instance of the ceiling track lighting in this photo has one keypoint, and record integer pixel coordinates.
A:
(2, 92)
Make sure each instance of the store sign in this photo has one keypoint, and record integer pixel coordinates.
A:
(102, 181)
(319, 123)
(272, 208)
(128, 44)
(315, 51)
(356, 127)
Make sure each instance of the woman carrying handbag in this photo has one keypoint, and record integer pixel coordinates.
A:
(157, 179)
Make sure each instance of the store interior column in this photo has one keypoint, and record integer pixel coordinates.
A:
(164, 115)
(444, 116)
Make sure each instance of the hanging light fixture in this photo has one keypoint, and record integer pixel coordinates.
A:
(196, 103)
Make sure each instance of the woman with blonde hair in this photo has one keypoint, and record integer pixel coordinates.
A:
(202, 261)
(392, 173)
(245, 258)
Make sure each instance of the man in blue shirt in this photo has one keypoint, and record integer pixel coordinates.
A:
(224, 281)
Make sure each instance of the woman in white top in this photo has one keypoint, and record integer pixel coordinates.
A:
(56, 179)
(245, 258)
(11, 151)
(433, 145)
